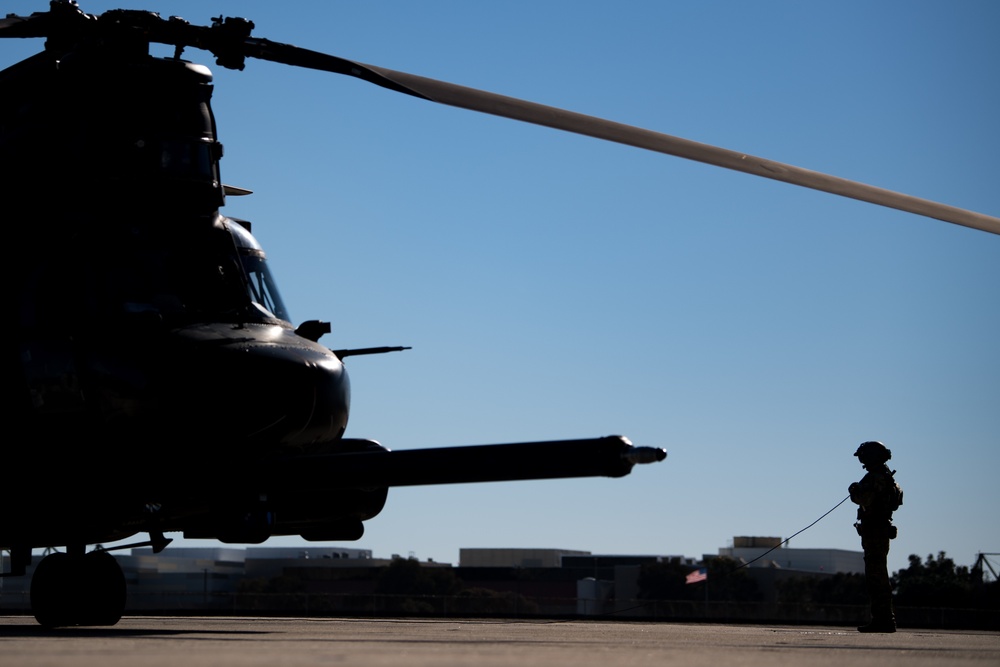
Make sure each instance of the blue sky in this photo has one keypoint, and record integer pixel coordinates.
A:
(554, 286)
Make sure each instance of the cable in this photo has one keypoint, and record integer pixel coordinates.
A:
(742, 565)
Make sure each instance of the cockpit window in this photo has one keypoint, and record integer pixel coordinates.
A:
(191, 270)
(188, 271)
(263, 291)
(187, 159)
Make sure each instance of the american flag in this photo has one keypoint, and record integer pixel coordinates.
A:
(696, 576)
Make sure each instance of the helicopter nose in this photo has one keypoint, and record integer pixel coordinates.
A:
(259, 387)
(301, 396)
(264, 393)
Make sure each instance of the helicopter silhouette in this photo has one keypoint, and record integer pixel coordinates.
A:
(141, 330)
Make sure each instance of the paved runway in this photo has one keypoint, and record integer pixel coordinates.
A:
(247, 642)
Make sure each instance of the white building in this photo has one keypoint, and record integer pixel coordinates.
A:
(768, 552)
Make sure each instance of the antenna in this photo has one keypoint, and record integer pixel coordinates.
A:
(983, 564)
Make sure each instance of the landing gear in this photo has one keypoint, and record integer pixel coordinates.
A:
(78, 589)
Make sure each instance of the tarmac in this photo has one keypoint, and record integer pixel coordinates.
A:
(247, 642)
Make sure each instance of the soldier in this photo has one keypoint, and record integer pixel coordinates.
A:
(877, 496)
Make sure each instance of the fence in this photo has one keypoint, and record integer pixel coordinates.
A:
(508, 605)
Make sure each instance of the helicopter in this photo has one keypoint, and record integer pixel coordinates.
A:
(194, 286)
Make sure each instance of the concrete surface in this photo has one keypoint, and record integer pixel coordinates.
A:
(247, 642)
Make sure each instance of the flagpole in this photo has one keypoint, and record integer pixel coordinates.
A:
(706, 590)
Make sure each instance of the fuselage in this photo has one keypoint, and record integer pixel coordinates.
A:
(159, 385)
(186, 395)
(147, 333)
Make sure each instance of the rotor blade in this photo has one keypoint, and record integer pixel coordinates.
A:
(21, 26)
(63, 19)
(561, 119)
(286, 54)
(229, 40)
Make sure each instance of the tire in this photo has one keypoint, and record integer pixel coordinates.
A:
(72, 590)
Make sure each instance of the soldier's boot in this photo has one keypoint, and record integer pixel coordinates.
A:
(879, 626)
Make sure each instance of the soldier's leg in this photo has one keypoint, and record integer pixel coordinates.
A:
(876, 549)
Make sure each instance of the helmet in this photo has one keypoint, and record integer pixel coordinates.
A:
(873, 451)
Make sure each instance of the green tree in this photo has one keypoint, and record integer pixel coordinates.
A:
(936, 582)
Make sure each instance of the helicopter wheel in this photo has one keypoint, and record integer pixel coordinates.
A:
(78, 590)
